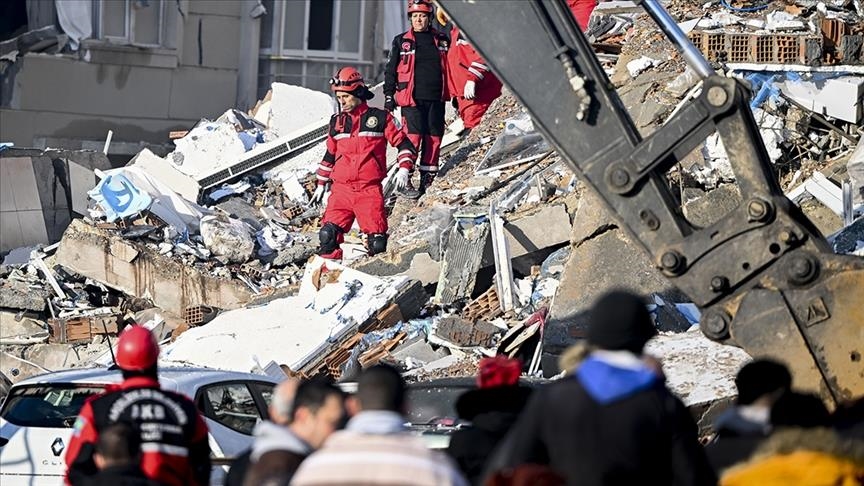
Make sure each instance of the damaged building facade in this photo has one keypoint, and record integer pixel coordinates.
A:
(72, 71)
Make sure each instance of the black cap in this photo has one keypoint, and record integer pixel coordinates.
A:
(620, 322)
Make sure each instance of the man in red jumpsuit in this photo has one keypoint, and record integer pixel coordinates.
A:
(174, 438)
(355, 164)
(416, 80)
(471, 82)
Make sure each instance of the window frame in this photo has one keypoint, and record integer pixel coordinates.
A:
(129, 19)
(204, 406)
(277, 50)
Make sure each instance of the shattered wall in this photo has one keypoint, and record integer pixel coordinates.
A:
(41, 191)
(139, 93)
(170, 284)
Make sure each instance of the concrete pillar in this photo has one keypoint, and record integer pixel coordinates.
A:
(247, 74)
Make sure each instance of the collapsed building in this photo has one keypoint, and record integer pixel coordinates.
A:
(212, 246)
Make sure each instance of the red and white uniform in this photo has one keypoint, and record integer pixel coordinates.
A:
(464, 64)
(174, 438)
(356, 163)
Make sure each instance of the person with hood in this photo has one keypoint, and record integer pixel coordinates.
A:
(807, 454)
(473, 86)
(354, 165)
(741, 428)
(492, 408)
(612, 420)
(295, 429)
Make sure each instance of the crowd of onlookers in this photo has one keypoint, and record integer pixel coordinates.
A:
(609, 421)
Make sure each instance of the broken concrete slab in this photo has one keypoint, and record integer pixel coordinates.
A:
(702, 209)
(296, 253)
(466, 333)
(14, 327)
(602, 258)
(423, 269)
(170, 284)
(334, 301)
(697, 370)
(393, 262)
(19, 295)
(462, 260)
(418, 350)
(549, 226)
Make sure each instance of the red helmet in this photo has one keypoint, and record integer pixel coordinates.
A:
(347, 79)
(419, 6)
(137, 349)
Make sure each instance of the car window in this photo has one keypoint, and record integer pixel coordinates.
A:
(433, 404)
(265, 390)
(232, 405)
(47, 405)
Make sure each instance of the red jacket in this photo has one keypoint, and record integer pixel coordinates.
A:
(357, 147)
(582, 11)
(464, 64)
(174, 438)
(399, 75)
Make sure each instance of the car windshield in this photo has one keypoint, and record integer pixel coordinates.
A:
(54, 406)
(433, 405)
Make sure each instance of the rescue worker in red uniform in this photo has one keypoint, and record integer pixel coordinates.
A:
(472, 84)
(174, 438)
(355, 164)
(416, 80)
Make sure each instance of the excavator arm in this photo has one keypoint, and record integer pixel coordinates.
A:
(763, 276)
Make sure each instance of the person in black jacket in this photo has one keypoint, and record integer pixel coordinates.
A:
(117, 455)
(740, 429)
(492, 408)
(612, 421)
(416, 79)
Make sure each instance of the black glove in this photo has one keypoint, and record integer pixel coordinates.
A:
(455, 103)
(389, 103)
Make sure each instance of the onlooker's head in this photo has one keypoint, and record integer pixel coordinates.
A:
(318, 411)
(282, 402)
(620, 322)
(118, 445)
(804, 410)
(381, 387)
(762, 380)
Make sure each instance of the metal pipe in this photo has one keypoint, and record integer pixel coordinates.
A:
(668, 25)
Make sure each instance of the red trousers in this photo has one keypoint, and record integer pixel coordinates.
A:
(363, 201)
(471, 111)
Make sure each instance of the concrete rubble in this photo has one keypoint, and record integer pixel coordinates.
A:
(212, 246)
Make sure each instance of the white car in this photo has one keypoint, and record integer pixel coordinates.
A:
(37, 416)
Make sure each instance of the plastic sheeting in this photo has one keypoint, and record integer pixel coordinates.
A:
(76, 20)
(135, 188)
(518, 143)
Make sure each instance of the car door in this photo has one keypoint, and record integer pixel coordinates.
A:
(232, 409)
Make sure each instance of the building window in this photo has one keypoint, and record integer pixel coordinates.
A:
(315, 29)
(135, 22)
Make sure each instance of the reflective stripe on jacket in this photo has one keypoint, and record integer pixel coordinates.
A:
(357, 147)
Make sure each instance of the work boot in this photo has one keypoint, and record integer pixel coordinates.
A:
(409, 192)
(426, 179)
